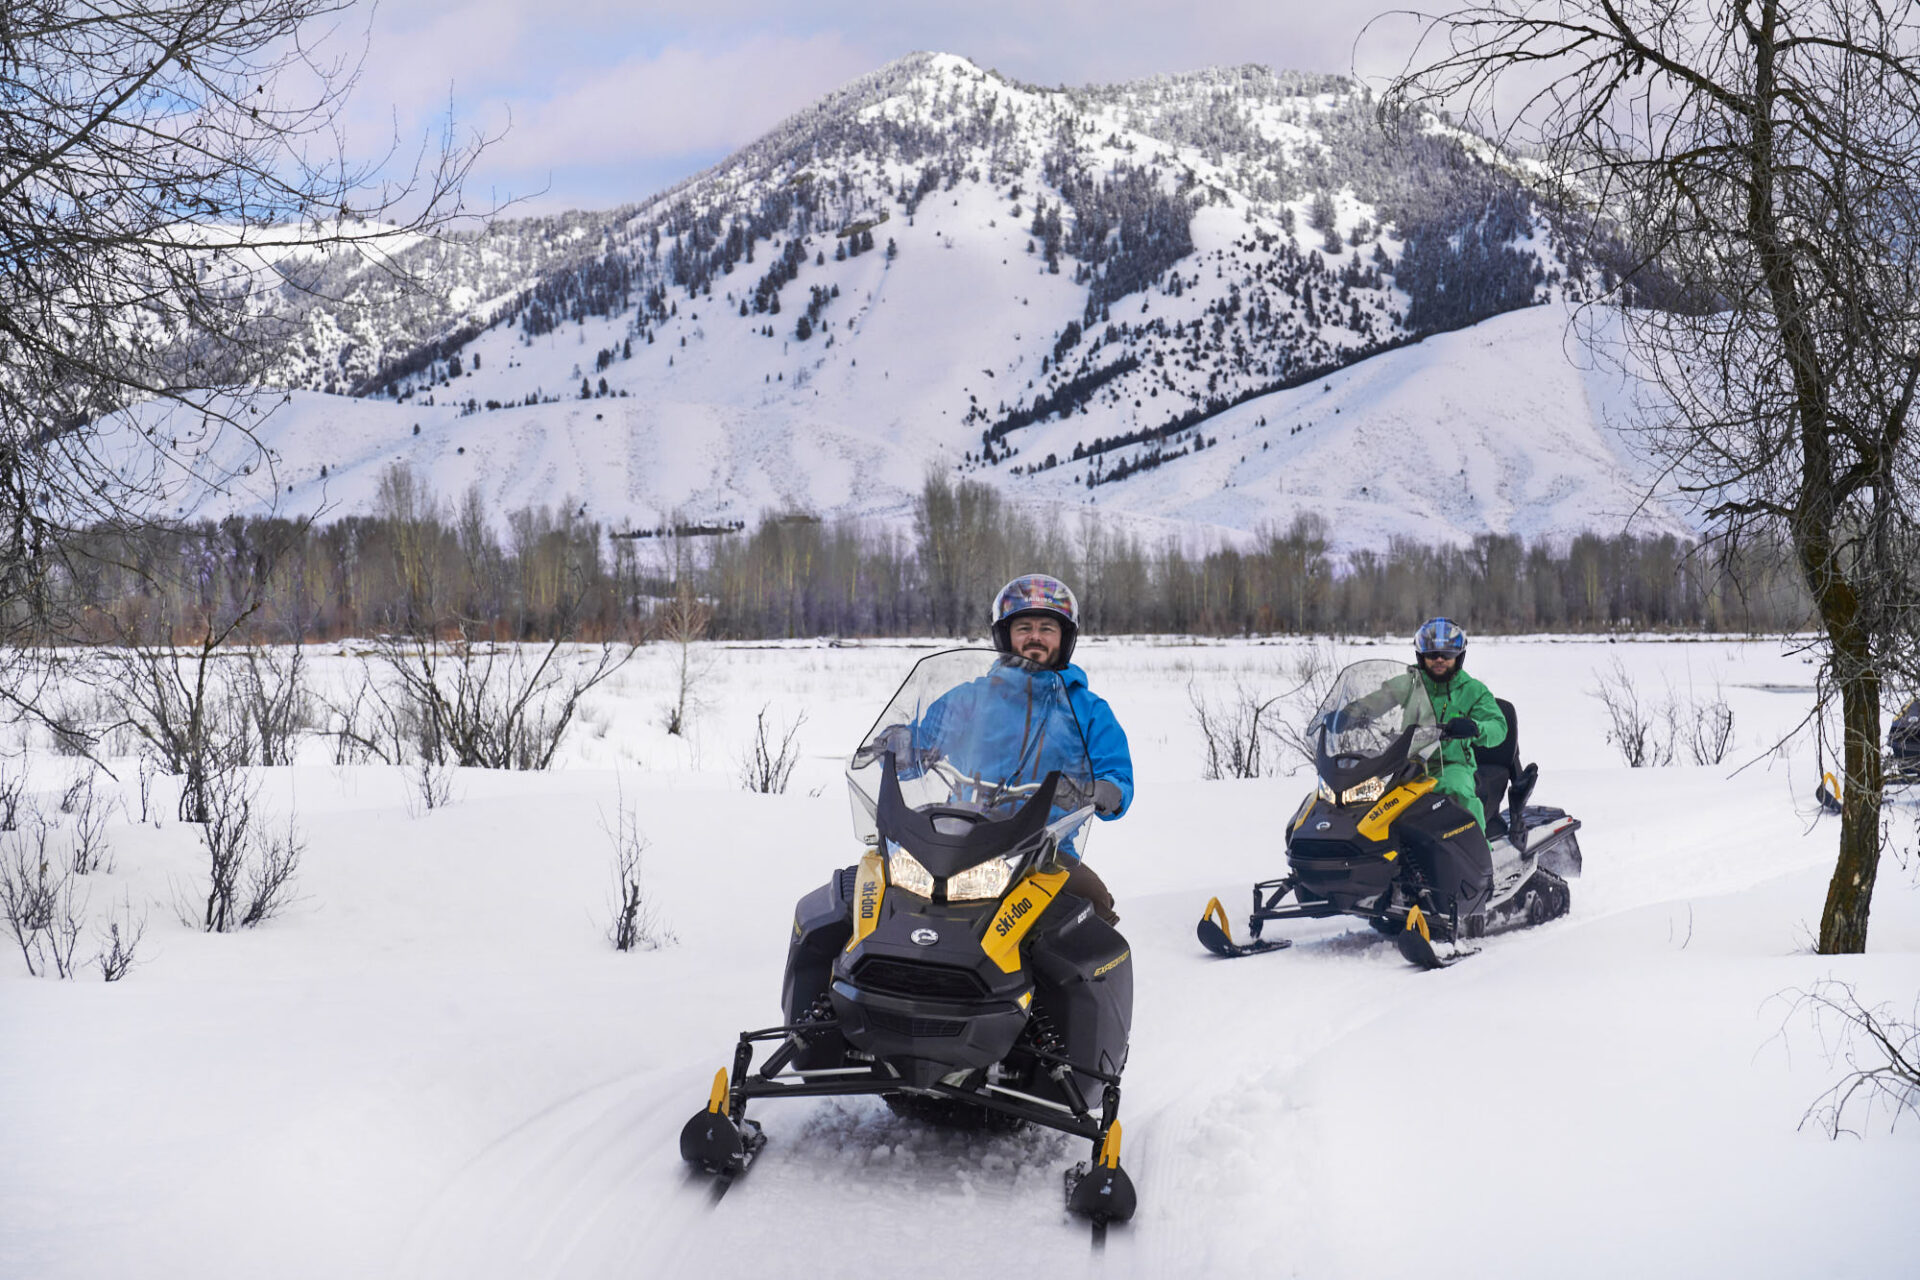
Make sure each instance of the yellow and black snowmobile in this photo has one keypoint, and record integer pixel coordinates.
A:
(949, 972)
(1376, 840)
(1903, 745)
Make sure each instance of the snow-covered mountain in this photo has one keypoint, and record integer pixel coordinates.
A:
(1211, 301)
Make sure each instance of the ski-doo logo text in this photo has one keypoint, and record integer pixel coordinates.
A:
(869, 899)
(1011, 916)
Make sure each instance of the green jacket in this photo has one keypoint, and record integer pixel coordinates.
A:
(1465, 696)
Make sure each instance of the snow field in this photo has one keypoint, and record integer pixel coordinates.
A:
(433, 1064)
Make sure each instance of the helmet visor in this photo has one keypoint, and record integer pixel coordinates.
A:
(1440, 637)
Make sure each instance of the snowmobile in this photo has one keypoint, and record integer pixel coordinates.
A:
(1903, 745)
(948, 971)
(1376, 841)
(1900, 767)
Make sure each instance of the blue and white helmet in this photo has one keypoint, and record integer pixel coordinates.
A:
(1440, 636)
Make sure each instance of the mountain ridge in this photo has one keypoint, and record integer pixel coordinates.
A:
(1069, 293)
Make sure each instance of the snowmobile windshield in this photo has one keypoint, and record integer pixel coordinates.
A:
(1376, 716)
(973, 736)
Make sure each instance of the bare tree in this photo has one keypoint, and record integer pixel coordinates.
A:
(636, 920)
(1236, 729)
(226, 824)
(120, 942)
(13, 794)
(250, 870)
(270, 693)
(1708, 728)
(1759, 158)
(91, 810)
(1308, 674)
(1233, 731)
(683, 622)
(1881, 1051)
(164, 167)
(1642, 730)
(429, 787)
(29, 888)
(768, 764)
(362, 725)
(178, 702)
(273, 861)
(482, 704)
(41, 897)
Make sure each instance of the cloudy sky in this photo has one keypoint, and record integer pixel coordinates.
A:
(603, 102)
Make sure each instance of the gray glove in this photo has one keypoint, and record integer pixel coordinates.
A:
(897, 738)
(1104, 796)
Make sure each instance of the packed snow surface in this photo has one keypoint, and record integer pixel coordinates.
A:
(434, 1065)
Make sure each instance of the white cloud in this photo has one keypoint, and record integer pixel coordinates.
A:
(680, 101)
(616, 99)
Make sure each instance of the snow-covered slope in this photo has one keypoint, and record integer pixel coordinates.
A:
(1063, 292)
(434, 1066)
(1492, 429)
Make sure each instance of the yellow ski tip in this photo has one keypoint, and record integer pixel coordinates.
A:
(1110, 1147)
(1417, 921)
(1218, 914)
(717, 1101)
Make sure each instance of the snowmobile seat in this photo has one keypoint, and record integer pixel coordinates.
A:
(1498, 774)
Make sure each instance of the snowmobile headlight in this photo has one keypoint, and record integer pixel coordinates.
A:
(1366, 793)
(988, 880)
(905, 872)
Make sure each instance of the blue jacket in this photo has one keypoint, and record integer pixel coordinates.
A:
(1106, 740)
(987, 727)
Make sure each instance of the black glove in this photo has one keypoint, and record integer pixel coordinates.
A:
(1460, 729)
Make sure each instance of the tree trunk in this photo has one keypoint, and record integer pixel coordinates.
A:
(1843, 924)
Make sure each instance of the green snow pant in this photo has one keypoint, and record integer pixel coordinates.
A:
(1456, 780)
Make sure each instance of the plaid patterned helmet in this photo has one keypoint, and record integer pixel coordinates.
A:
(1033, 593)
(1440, 635)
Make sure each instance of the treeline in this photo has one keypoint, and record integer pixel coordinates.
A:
(419, 565)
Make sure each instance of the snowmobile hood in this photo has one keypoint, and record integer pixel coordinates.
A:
(963, 839)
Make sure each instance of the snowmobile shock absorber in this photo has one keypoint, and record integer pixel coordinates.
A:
(819, 1017)
(1063, 1076)
(742, 1060)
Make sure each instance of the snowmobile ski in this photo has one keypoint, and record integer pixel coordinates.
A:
(1101, 1192)
(1415, 942)
(1216, 937)
(714, 1141)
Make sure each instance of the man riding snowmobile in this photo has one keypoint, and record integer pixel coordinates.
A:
(1394, 834)
(1037, 618)
(1468, 713)
(958, 971)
